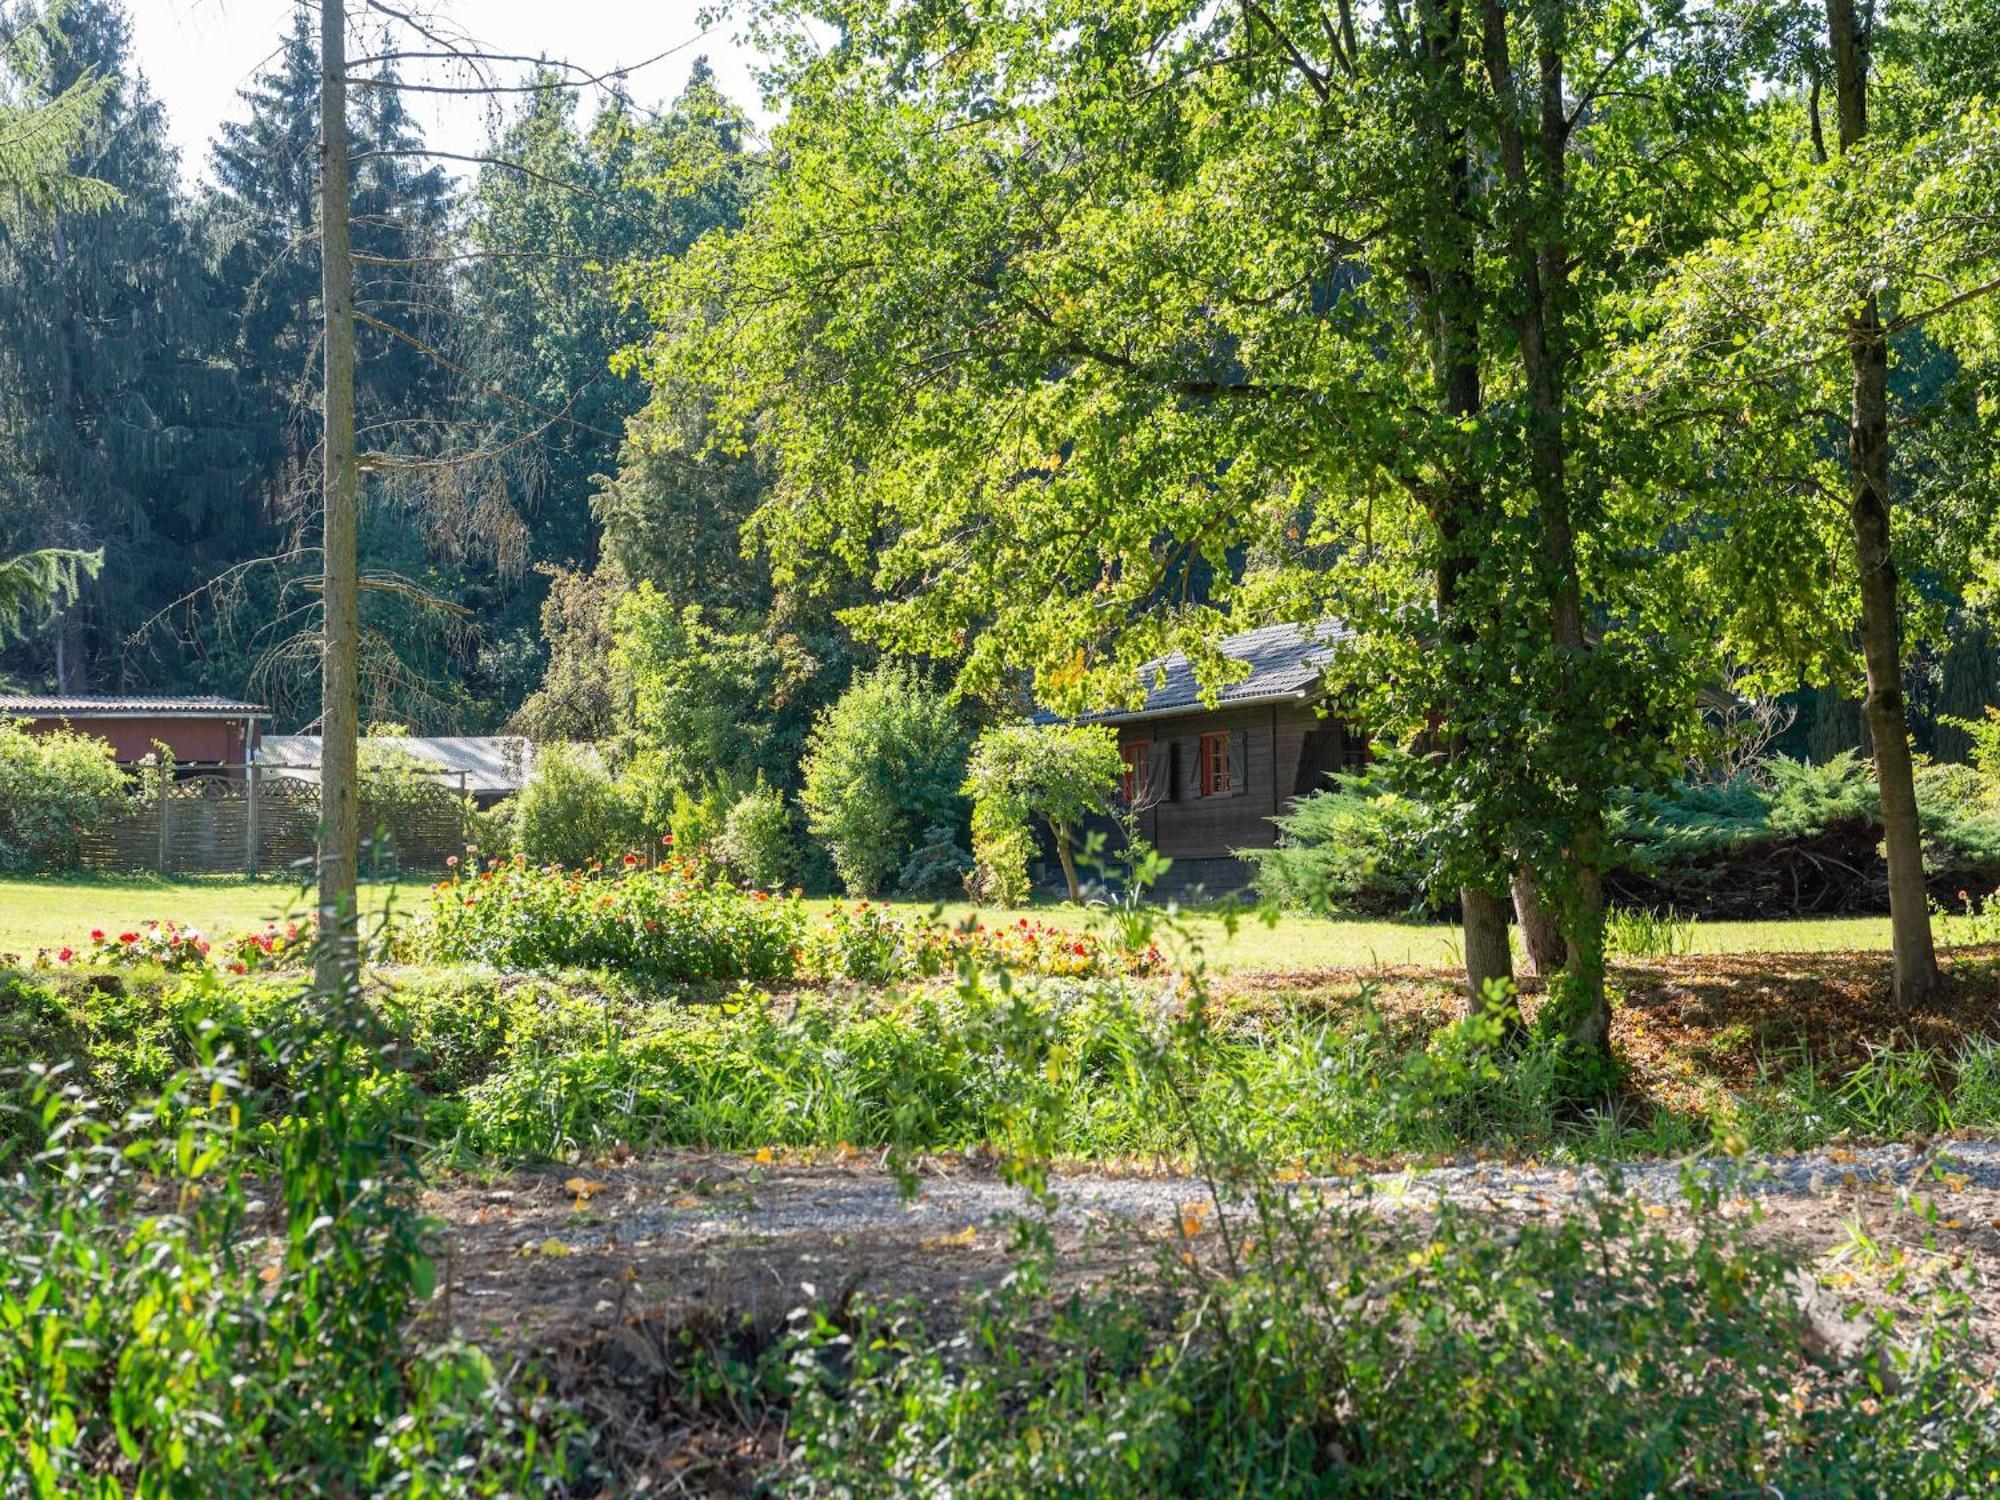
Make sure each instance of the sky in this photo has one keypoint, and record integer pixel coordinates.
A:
(197, 54)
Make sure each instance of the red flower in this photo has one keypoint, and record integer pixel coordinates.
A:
(666, 841)
(63, 956)
(97, 934)
(1079, 950)
(128, 937)
(631, 860)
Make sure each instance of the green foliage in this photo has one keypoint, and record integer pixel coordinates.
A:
(208, 1291)
(698, 822)
(1059, 773)
(1357, 845)
(1299, 1364)
(759, 839)
(938, 868)
(56, 789)
(883, 765)
(1646, 934)
(668, 925)
(571, 812)
(35, 585)
(1698, 844)
(695, 689)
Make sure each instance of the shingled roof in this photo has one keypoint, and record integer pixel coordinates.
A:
(1286, 663)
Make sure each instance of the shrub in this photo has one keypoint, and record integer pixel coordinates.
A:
(1357, 845)
(1307, 1357)
(759, 839)
(571, 812)
(208, 1292)
(55, 790)
(490, 831)
(697, 824)
(1060, 773)
(668, 925)
(698, 692)
(883, 764)
(937, 869)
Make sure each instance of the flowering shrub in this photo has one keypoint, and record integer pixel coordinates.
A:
(163, 943)
(288, 947)
(668, 923)
(869, 943)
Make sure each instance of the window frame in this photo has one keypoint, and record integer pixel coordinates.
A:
(1137, 755)
(1214, 763)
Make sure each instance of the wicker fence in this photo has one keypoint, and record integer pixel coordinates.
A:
(231, 819)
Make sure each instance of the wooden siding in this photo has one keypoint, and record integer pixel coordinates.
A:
(1188, 827)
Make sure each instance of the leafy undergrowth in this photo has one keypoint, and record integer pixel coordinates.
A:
(1319, 1349)
(1768, 1054)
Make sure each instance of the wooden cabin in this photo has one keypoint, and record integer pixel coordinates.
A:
(1205, 780)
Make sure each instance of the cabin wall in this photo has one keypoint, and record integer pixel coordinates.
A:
(1281, 742)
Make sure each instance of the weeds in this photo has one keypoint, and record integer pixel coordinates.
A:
(1646, 934)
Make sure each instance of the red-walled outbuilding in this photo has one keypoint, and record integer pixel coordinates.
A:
(199, 731)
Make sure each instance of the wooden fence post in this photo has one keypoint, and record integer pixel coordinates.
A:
(161, 777)
(250, 817)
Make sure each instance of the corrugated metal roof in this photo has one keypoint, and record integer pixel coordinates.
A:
(1285, 662)
(104, 706)
(490, 762)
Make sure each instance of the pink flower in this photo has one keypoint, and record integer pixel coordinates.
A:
(451, 861)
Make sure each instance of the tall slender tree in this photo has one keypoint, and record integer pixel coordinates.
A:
(340, 816)
(1916, 971)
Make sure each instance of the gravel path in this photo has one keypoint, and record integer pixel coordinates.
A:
(738, 1198)
(539, 1255)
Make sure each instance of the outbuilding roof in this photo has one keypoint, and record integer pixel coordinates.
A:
(105, 706)
(490, 763)
(1286, 663)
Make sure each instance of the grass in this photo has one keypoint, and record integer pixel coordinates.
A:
(52, 911)
(49, 912)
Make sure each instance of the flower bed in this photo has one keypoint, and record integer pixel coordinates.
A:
(870, 943)
(670, 924)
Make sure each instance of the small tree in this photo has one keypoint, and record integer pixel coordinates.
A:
(55, 790)
(570, 812)
(1059, 773)
(882, 766)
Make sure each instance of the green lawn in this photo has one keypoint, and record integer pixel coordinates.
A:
(50, 913)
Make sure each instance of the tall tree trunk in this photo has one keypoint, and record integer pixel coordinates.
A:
(1540, 252)
(1541, 933)
(1915, 957)
(1449, 285)
(340, 822)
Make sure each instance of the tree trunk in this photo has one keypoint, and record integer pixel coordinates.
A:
(1541, 933)
(1488, 959)
(1068, 860)
(1448, 285)
(1541, 255)
(1915, 957)
(338, 966)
